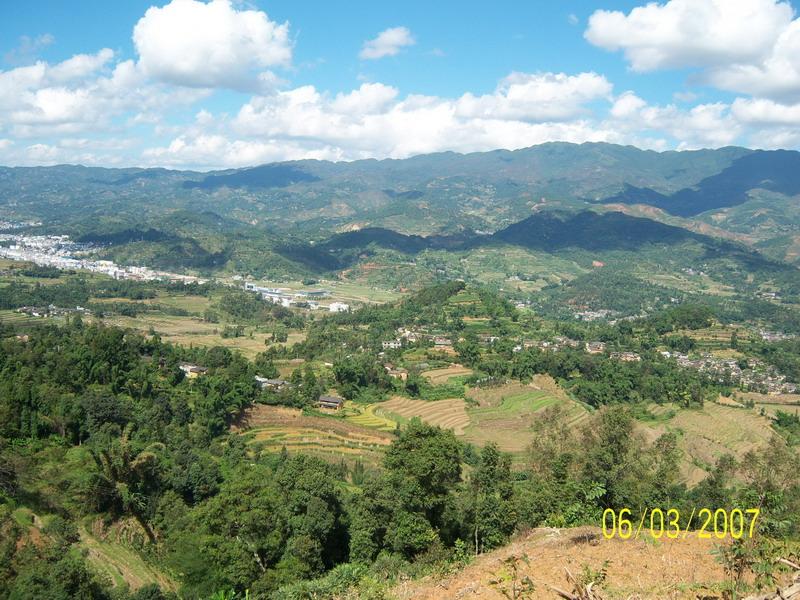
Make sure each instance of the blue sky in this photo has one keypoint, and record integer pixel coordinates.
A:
(230, 83)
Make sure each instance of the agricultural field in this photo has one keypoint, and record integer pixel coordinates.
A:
(368, 415)
(708, 433)
(448, 414)
(442, 376)
(12, 317)
(272, 428)
(505, 414)
(192, 331)
(120, 564)
(716, 338)
(771, 403)
(341, 291)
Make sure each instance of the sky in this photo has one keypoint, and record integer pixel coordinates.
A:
(216, 84)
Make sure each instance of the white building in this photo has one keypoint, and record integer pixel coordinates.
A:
(338, 307)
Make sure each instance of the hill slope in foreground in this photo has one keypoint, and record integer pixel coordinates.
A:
(683, 568)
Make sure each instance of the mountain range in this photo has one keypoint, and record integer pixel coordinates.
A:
(541, 215)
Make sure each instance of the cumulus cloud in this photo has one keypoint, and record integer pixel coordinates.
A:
(683, 33)
(374, 121)
(97, 108)
(746, 46)
(765, 112)
(213, 45)
(537, 97)
(388, 43)
(80, 94)
(709, 125)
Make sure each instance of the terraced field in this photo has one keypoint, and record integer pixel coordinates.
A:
(448, 414)
(441, 376)
(123, 566)
(12, 317)
(708, 433)
(772, 403)
(272, 428)
(367, 416)
(505, 414)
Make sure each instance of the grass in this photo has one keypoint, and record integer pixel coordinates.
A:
(23, 517)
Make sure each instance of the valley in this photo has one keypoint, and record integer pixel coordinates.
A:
(234, 383)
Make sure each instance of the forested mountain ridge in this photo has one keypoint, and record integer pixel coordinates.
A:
(423, 194)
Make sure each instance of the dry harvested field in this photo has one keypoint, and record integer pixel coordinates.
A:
(440, 376)
(710, 432)
(192, 331)
(679, 569)
(505, 414)
(448, 414)
(772, 403)
(333, 439)
(286, 367)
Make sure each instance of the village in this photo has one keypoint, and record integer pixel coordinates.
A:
(59, 252)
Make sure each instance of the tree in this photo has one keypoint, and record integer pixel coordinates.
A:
(489, 511)
(125, 476)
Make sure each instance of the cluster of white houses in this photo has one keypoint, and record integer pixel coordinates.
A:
(301, 298)
(59, 252)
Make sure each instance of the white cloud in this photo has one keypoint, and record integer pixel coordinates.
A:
(368, 99)
(374, 121)
(537, 97)
(765, 112)
(703, 126)
(627, 105)
(213, 45)
(80, 66)
(80, 94)
(683, 33)
(388, 43)
(777, 76)
(745, 46)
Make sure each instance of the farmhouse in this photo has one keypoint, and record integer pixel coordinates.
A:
(595, 347)
(391, 344)
(271, 384)
(338, 307)
(626, 356)
(193, 371)
(396, 372)
(331, 402)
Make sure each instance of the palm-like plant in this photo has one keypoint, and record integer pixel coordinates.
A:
(125, 473)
